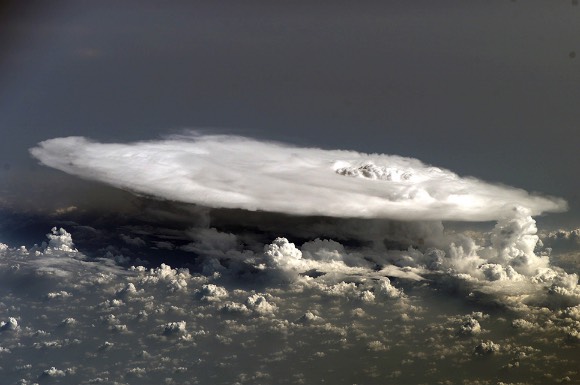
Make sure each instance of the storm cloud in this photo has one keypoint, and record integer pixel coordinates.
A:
(237, 172)
(291, 255)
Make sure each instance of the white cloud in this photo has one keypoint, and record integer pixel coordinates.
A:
(10, 325)
(350, 314)
(284, 255)
(212, 293)
(260, 305)
(60, 240)
(376, 346)
(470, 326)
(327, 250)
(564, 235)
(174, 328)
(310, 318)
(128, 290)
(174, 279)
(58, 295)
(237, 172)
(235, 308)
(68, 322)
(53, 372)
(384, 289)
(496, 272)
(486, 347)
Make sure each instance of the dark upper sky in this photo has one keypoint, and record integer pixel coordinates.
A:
(486, 88)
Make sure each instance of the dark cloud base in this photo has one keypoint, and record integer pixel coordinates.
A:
(154, 220)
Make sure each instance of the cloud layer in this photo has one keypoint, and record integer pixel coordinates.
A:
(236, 172)
(69, 318)
(363, 272)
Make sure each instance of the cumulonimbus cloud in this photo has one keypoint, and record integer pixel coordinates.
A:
(224, 171)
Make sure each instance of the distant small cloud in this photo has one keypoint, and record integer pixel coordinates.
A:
(65, 210)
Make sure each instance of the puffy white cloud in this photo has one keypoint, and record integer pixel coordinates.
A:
(562, 246)
(128, 290)
(53, 372)
(470, 326)
(137, 372)
(260, 305)
(324, 250)
(281, 253)
(524, 324)
(350, 313)
(60, 240)
(235, 308)
(58, 295)
(174, 328)
(486, 347)
(10, 325)
(174, 279)
(67, 322)
(496, 272)
(327, 250)
(212, 293)
(571, 236)
(385, 289)
(309, 318)
(376, 346)
(237, 172)
(120, 328)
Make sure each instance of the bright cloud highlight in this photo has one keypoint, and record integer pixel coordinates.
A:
(236, 172)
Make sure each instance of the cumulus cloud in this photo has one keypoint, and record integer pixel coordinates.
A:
(53, 372)
(60, 240)
(212, 293)
(236, 172)
(174, 328)
(486, 347)
(11, 324)
(136, 321)
(309, 318)
(260, 304)
(241, 173)
(470, 326)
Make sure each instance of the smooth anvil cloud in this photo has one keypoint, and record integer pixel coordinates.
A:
(236, 172)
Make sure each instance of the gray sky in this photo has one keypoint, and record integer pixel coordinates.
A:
(488, 89)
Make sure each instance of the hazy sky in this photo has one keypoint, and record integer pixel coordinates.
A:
(487, 88)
